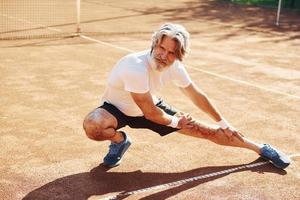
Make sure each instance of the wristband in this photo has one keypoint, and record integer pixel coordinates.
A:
(223, 124)
(174, 122)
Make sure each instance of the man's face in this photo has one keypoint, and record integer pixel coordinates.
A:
(164, 53)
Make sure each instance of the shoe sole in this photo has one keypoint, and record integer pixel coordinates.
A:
(114, 165)
(286, 160)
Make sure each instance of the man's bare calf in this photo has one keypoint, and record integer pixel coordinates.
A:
(218, 136)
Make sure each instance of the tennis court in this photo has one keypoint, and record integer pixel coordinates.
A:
(51, 78)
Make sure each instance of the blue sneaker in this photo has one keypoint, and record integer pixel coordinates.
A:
(278, 158)
(116, 151)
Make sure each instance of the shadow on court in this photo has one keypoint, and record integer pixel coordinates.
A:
(99, 181)
(258, 19)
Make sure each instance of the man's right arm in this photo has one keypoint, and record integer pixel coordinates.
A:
(155, 114)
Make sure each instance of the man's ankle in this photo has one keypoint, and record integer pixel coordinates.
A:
(118, 138)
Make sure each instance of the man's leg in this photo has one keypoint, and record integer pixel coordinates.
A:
(217, 135)
(100, 125)
(213, 134)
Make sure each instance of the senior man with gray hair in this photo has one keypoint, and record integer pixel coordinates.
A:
(132, 99)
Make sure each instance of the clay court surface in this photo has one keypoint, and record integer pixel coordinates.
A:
(247, 66)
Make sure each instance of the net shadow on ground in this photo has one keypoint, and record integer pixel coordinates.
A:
(99, 181)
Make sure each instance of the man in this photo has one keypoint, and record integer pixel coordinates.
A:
(131, 99)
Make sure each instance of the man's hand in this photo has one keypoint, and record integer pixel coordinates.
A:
(185, 121)
(231, 132)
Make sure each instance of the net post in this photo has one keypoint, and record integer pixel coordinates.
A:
(278, 13)
(78, 17)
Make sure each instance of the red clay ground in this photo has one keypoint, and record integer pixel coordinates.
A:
(247, 66)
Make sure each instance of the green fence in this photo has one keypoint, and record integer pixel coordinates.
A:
(294, 4)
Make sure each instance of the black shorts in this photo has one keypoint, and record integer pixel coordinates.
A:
(141, 121)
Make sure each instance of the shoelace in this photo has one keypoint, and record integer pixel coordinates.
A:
(271, 152)
(113, 148)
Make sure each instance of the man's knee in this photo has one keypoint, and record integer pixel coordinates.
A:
(100, 125)
(94, 128)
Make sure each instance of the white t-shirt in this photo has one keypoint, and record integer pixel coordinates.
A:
(136, 73)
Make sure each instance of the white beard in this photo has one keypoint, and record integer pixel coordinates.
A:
(152, 61)
(154, 64)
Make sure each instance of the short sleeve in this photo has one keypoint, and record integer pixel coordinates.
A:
(135, 79)
(180, 76)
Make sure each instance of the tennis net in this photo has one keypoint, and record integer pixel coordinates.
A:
(26, 19)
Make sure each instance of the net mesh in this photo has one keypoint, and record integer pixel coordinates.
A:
(23, 19)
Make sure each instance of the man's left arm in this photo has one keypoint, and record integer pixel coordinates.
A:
(200, 99)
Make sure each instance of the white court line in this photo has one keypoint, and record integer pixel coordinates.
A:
(295, 155)
(203, 71)
(105, 43)
(244, 82)
(187, 180)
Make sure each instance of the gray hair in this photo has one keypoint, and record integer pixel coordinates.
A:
(176, 32)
